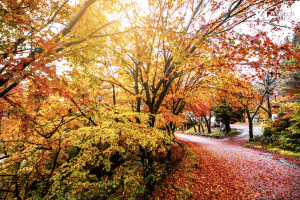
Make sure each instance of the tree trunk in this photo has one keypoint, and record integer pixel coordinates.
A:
(171, 129)
(269, 108)
(195, 130)
(151, 120)
(227, 128)
(148, 169)
(209, 124)
(201, 126)
(199, 129)
(250, 120)
(114, 95)
(206, 123)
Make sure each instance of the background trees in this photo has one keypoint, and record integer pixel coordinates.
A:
(227, 115)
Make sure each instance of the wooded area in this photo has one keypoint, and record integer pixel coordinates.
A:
(104, 128)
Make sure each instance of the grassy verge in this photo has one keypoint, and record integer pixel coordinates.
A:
(215, 133)
(275, 149)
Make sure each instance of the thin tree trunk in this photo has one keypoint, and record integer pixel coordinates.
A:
(207, 123)
(201, 125)
(250, 121)
(269, 108)
(173, 131)
(199, 130)
(114, 94)
(202, 128)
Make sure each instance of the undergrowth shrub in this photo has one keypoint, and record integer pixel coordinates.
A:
(233, 132)
(111, 163)
(284, 131)
(117, 159)
(217, 134)
(268, 131)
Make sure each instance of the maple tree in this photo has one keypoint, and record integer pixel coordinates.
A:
(227, 115)
(292, 79)
(241, 95)
(236, 87)
(201, 106)
(269, 83)
(65, 139)
(182, 94)
(163, 45)
(194, 120)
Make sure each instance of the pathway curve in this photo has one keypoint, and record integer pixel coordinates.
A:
(267, 176)
(257, 130)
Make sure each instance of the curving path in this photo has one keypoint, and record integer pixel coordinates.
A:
(267, 176)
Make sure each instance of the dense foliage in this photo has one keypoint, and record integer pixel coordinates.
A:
(104, 126)
(227, 115)
(284, 131)
(112, 160)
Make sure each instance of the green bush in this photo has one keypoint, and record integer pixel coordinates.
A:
(268, 131)
(264, 139)
(233, 132)
(256, 138)
(284, 131)
(217, 135)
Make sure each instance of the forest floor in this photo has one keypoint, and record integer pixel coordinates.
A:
(230, 169)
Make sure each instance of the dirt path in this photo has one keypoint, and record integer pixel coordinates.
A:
(264, 175)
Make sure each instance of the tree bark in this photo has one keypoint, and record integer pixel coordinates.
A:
(269, 108)
(195, 130)
(250, 121)
(114, 94)
(207, 123)
(171, 129)
(227, 128)
(152, 120)
(201, 126)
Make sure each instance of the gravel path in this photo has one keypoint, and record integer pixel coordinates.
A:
(257, 130)
(267, 176)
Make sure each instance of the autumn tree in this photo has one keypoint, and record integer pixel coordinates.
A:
(194, 120)
(30, 40)
(165, 39)
(35, 111)
(291, 80)
(227, 115)
(182, 94)
(201, 105)
(267, 86)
